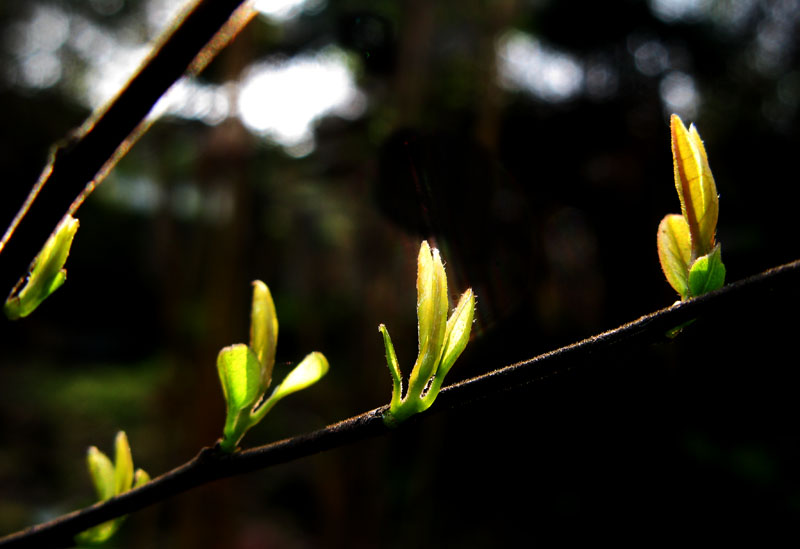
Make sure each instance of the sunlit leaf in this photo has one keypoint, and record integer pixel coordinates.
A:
(441, 340)
(674, 252)
(240, 374)
(707, 273)
(309, 371)
(263, 330)
(459, 326)
(394, 366)
(432, 309)
(47, 274)
(695, 185)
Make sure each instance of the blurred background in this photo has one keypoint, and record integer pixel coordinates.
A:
(527, 139)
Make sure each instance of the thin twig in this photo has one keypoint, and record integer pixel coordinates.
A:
(82, 160)
(211, 464)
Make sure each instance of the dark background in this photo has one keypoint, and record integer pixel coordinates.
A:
(529, 141)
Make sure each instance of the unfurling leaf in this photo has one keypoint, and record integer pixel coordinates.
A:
(695, 185)
(459, 326)
(47, 272)
(308, 372)
(674, 252)
(240, 374)
(687, 248)
(245, 371)
(707, 273)
(441, 340)
(111, 480)
(102, 472)
(263, 329)
(123, 464)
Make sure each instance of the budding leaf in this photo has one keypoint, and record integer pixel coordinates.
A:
(111, 480)
(394, 366)
(123, 464)
(695, 184)
(674, 252)
(459, 326)
(308, 372)
(707, 273)
(47, 273)
(441, 339)
(263, 330)
(240, 374)
(432, 308)
(102, 472)
(687, 250)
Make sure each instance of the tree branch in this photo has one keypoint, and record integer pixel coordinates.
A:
(210, 464)
(105, 136)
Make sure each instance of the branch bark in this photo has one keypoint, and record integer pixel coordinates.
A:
(210, 464)
(78, 161)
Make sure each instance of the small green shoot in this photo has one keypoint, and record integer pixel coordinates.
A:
(690, 257)
(441, 340)
(111, 479)
(47, 272)
(245, 371)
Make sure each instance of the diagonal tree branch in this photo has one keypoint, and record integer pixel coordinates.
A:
(85, 157)
(210, 464)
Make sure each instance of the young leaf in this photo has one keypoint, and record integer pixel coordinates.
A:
(110, 480)
(707, 273)
(102, 472)
(240, 374)
(263, 330)
(432, 308)
(123, 464)
(695, 184)
(441, 340)
(459, 326)
(674, 252)
(47, 273)
(394, 366)
(308, 372)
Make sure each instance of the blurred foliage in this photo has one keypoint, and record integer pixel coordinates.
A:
(548, 120)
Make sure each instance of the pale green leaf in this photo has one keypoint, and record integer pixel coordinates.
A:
(674, 252)
(707, 273)
(240, 374)
(309, 371)
(394, 367)
(102, 472)
(263, 330)
(123, 464)
(47, 273)
(459, 326)
(432, 309)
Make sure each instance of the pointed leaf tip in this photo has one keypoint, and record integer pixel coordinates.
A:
(459, 326)
(47, 273)
(695, 185)
(310, 370)
(263, 330)
(123, 464)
